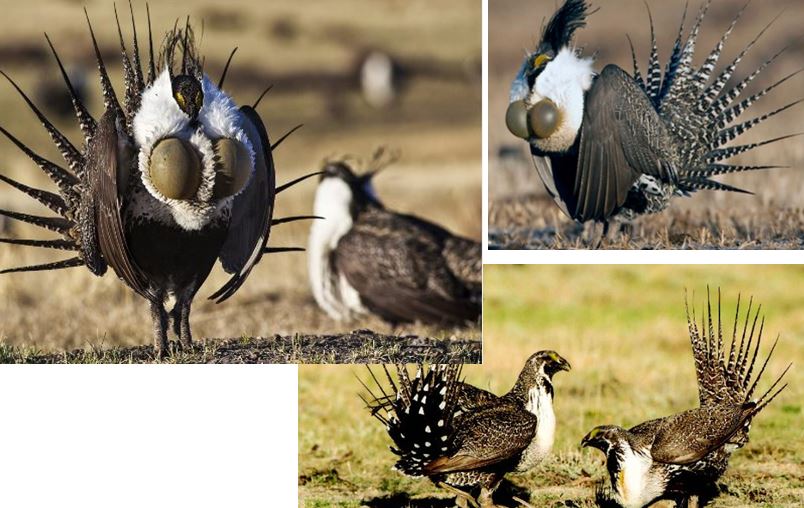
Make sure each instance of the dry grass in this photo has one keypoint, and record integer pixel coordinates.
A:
(359, 346)
(435, 125)
(534, 222)
(623, 329)
(769, 219)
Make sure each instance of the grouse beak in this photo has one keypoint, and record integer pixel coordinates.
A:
(592, 439)
(559, 362)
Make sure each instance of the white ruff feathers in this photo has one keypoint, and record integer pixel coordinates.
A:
(333, 292)
(565, 81)
(159, 117)
(539, 403)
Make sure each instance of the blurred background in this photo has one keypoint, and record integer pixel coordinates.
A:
(623, 329)
(518, 204)
(400, 73)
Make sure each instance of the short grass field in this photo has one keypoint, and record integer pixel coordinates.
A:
(309, 51)
(523, 216)
(623, 329)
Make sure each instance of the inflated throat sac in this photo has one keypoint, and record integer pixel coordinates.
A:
(175, 168)
(232, 169)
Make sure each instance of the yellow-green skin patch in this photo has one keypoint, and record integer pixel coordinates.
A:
(175, 168)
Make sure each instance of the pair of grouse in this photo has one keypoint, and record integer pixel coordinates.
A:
(464, 438)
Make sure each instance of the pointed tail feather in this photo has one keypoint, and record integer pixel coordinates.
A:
(58, 265)
(85, 120)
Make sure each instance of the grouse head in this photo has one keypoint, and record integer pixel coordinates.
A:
(188, 94)
(342, 190)
(604, 437)
(537, 374)
(546, 99)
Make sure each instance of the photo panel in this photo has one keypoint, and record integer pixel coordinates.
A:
(601, 385)
(252, 183)
(632, 125)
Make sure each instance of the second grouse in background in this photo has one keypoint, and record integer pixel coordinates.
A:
(364, 258)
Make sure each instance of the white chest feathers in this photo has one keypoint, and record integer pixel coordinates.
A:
(565, 81)
(334, 294)
(635, 485)
(159, 117)
(540, 403)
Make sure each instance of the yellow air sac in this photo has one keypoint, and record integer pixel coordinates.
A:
(175, 168)
(233, 168)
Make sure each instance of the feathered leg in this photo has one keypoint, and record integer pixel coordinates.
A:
(180, 316)
(185, 336)
(160, 322)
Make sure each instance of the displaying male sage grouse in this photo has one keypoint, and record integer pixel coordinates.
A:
(168, 182)
(681, 457)
(612, 145)
(460, 436)
(364, 258)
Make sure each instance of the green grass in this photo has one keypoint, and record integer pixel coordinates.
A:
(624, 331)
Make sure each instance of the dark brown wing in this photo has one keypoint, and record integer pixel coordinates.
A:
(557, 172)
(106, 176)
(689, 436)
(622, 137)
(397, 266)
(488, 436)
(252, 211)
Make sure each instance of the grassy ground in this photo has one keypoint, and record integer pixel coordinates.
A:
(359, 346)
(309, 51)
(521, 215)
(623, 329)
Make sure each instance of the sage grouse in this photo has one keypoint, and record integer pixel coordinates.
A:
(364, 258)
(168, 182)
(681, 457)
(614, 145)
(462, 437)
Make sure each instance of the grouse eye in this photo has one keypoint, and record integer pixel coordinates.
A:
(543, 118)
(516, 119)
(175, 168)
(233, 168)
(540, 60)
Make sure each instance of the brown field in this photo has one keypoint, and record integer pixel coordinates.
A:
(308, 50)
(522, 216)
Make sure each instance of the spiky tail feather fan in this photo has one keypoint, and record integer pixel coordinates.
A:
(73, 221)
(418, 413)
(700, 111)
(730, 380)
